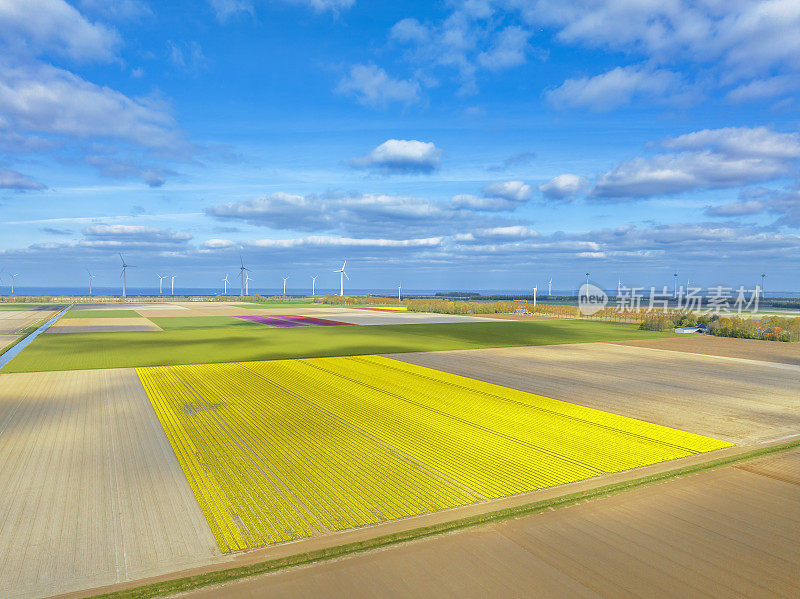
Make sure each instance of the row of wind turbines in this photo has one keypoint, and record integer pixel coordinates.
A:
(244, 276)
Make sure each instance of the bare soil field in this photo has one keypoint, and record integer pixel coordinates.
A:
(6, 340)
(748, 349)
(12, 321)
(101, 325)
(741, 402)
(90, 490)
(722, 533)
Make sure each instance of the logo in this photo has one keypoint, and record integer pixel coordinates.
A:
(591, 299)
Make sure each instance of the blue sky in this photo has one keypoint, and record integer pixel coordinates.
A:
(457, 144)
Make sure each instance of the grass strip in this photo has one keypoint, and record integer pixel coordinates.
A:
(188, 583)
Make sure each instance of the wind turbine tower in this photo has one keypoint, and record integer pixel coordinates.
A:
(247, 280)
(284, 285)
(91, 276)
(242, 272)
(173, 284)
(763, 276)
(399, 299)
(675, 294)
(550, 287)
(125, 267)
(342, 275)
(225, 282)
(160, 282)
(314, 285)
(535, 289)
(13, 275)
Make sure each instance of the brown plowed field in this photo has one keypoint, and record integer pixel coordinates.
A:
(90, 490)
(742, 402)
(12, 321)
(748, 349)
(723, 533)
(101, 325)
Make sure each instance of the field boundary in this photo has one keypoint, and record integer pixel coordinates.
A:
(187, 583)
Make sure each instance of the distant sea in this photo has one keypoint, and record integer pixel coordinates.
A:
(207, 291)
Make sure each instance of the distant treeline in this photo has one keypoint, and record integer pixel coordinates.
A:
(768, 328)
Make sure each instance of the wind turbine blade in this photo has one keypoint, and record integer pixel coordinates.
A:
(345, 275)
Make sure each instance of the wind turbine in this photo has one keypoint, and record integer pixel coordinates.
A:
(284, 285)
(676, 284)
(550, 287)
(246, 283)
(535, 289)
(587, 282)
(173, 284)
(242, 273)
(160, 281)
(399, 299)
(342, 275)
(313, 285)
(13, 275)
(763, 276)
(124, 281)
(225, 281)
(91, 276)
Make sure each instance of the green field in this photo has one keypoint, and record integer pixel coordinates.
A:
(102, 314)
(7, 307)
(174, 323)
(74, 351)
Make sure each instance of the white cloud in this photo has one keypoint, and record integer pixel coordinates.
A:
(711, 158)
(225, 9)
(615, 88)
(761, 89)
(401, 156)
(497, 197)
(117, 10)
(329, 241)
(758, 142)
(11, 179)
(112, 236)
(746, 208)
(507, 50)
(373, 87)
(216, 244)
(564, 187)
(513, 191)
(55, 26)
(42, 98)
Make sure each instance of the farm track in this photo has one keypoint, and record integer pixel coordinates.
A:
(285, 449)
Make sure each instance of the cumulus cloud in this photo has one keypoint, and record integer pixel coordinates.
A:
(564, 187)
(374, 87)
(707, 159)
(615, 88)
(11, 179)
(513, 191)
(401, 156)
(55, 26)
(46, 99)
(216, 244)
